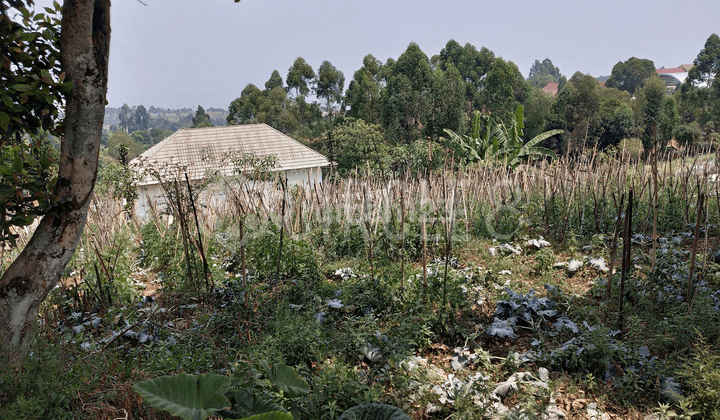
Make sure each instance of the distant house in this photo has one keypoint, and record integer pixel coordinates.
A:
(551, 88)
(199, 152)
(674, 77)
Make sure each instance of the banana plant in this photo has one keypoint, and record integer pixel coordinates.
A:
(477, 146)
(196, 397)
(500, 143)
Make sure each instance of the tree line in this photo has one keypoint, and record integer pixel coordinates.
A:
(394, 114)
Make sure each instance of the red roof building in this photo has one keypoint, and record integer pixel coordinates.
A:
(551, 88)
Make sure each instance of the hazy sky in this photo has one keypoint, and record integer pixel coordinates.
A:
(185, 53)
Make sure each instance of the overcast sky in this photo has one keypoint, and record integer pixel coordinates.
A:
(185, 53)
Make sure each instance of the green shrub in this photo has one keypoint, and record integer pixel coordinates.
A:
(631, 147)
(701, 374)
(298, 257)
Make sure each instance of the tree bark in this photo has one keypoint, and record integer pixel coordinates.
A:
(85, 48)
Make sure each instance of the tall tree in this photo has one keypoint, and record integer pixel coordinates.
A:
(406, 98)
(538, 112)
(329, 85)
(577, 105)
(274, 81)
(263, 106)
(707, 62)
(650, 110)
(126, 117)
(669, 120)
(299, 77)
(542, 73)
(141, 118)
(201, 118)
(504, 88)
(447, 96)
(244, 109)
(472, 64)
(84, 47)
(363, 94)
(631, 74)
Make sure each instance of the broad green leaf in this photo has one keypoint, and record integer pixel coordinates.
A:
(275, 415)
(540, 137)
(248, 404)
(22, 220)
(286, 379)
(21, 88)
(17, 164)
(374, 411)
(30, 159)
(187, 396)
(4, 120)
(537, 150)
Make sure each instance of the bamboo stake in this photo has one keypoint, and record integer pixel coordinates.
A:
(698, 222)
(282, 230)
(608, 285)
(626, 259)
(200, 244)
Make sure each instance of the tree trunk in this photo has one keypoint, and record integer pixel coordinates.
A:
(85, 48)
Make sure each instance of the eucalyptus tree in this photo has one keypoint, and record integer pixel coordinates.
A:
(542, 73)
(363, 94)
(329, 85)
(539, 112)
(577, 105)
(406, 101)
(125, 117)
(275, 81)
(707, 63)
(270, 106)
(300, 77)
(141, 118)
(201, 118)
(503, 89)
(447, 103)
(472, 64)
(656, 114)
(244, 109)
(697, 103)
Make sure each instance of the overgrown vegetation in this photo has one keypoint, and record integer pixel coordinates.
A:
(512, 320)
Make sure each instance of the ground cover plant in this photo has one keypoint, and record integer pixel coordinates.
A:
(481, 292)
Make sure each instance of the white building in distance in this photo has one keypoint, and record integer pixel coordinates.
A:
(224, 151)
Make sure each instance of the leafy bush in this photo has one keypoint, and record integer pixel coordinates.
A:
(701, 375)
(298, 257)
(631, 147)
(35, 390)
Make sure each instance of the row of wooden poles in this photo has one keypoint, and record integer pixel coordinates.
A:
(442, 198)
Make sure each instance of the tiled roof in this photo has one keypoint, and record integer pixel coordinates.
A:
(208, 149)
(674, 70)
(687, 67)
